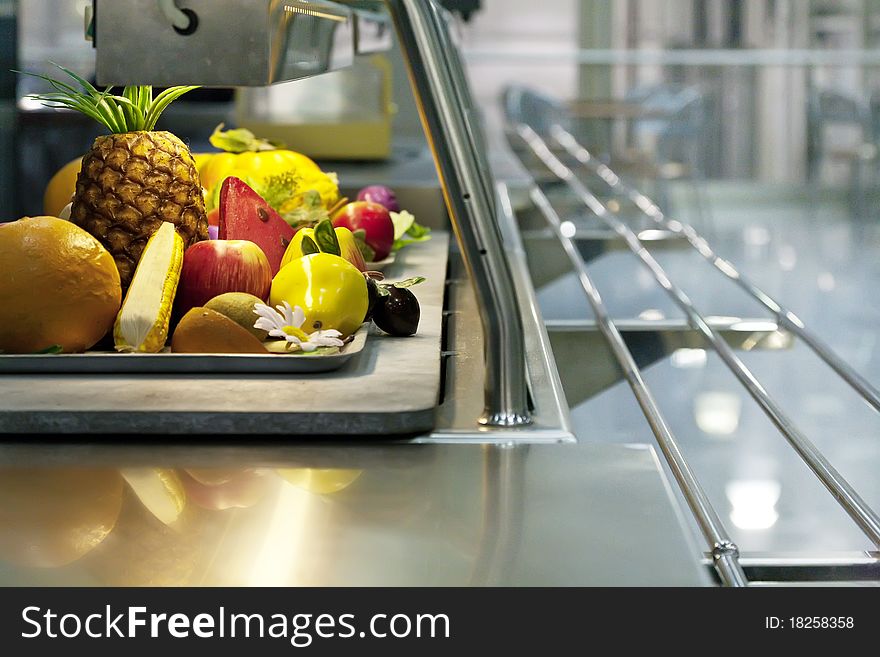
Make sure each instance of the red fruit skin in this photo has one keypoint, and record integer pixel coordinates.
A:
(374, 220)
(245, 215)
(214, 217)
(215, 267)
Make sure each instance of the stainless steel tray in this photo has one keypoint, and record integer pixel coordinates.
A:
(391, 388)
(103, 362)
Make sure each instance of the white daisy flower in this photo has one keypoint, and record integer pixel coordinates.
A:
(286, 323)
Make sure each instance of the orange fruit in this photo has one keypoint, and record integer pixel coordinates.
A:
(61, 187)
(59, 286)
(50, 517)
(205, 331)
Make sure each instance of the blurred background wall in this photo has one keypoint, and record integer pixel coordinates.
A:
(788, 90)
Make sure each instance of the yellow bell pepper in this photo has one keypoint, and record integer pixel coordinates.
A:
(283, 177)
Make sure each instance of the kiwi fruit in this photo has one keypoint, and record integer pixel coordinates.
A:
(239, 307)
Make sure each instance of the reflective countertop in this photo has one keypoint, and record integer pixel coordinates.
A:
(236, 510)
(410, 515)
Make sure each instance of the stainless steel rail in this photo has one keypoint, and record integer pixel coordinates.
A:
(446, 109)
(786, 317)
(847, 497)
(724, 551)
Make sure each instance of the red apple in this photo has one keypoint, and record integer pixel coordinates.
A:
(374, 220)
(214, 267)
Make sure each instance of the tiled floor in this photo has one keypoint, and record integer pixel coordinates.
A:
(823, 265)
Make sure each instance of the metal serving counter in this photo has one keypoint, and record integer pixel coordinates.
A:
(203, 479)
(509, 511)
(434, 515)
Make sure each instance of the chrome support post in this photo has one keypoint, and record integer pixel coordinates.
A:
(449, 119)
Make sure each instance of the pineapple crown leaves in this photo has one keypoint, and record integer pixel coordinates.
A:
(134, 110)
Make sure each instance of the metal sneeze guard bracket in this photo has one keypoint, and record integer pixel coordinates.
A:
(449, 119)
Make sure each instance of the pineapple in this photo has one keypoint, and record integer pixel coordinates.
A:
(135, 178)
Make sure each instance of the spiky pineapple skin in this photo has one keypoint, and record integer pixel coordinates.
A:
(129, 184)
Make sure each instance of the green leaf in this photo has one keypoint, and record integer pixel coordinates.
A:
(399, 244)
(417, 232)
(360, 238)
(311, 212)
(162, 101)
(326, 238)
(241, 140)
(409, 282)
(412, 234)
(402, 222)
(308, 246)
(277, 189)
(134, 110)
(54, 349)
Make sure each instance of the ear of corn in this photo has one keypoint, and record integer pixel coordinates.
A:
(142, 323)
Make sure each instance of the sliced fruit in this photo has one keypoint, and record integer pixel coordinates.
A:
(329, 289)
(59, 286)
(239, 307)
(244, 215)
(205, 331)
(159, 490)
(142, 324)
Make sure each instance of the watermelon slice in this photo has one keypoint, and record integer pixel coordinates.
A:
(244, 215)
